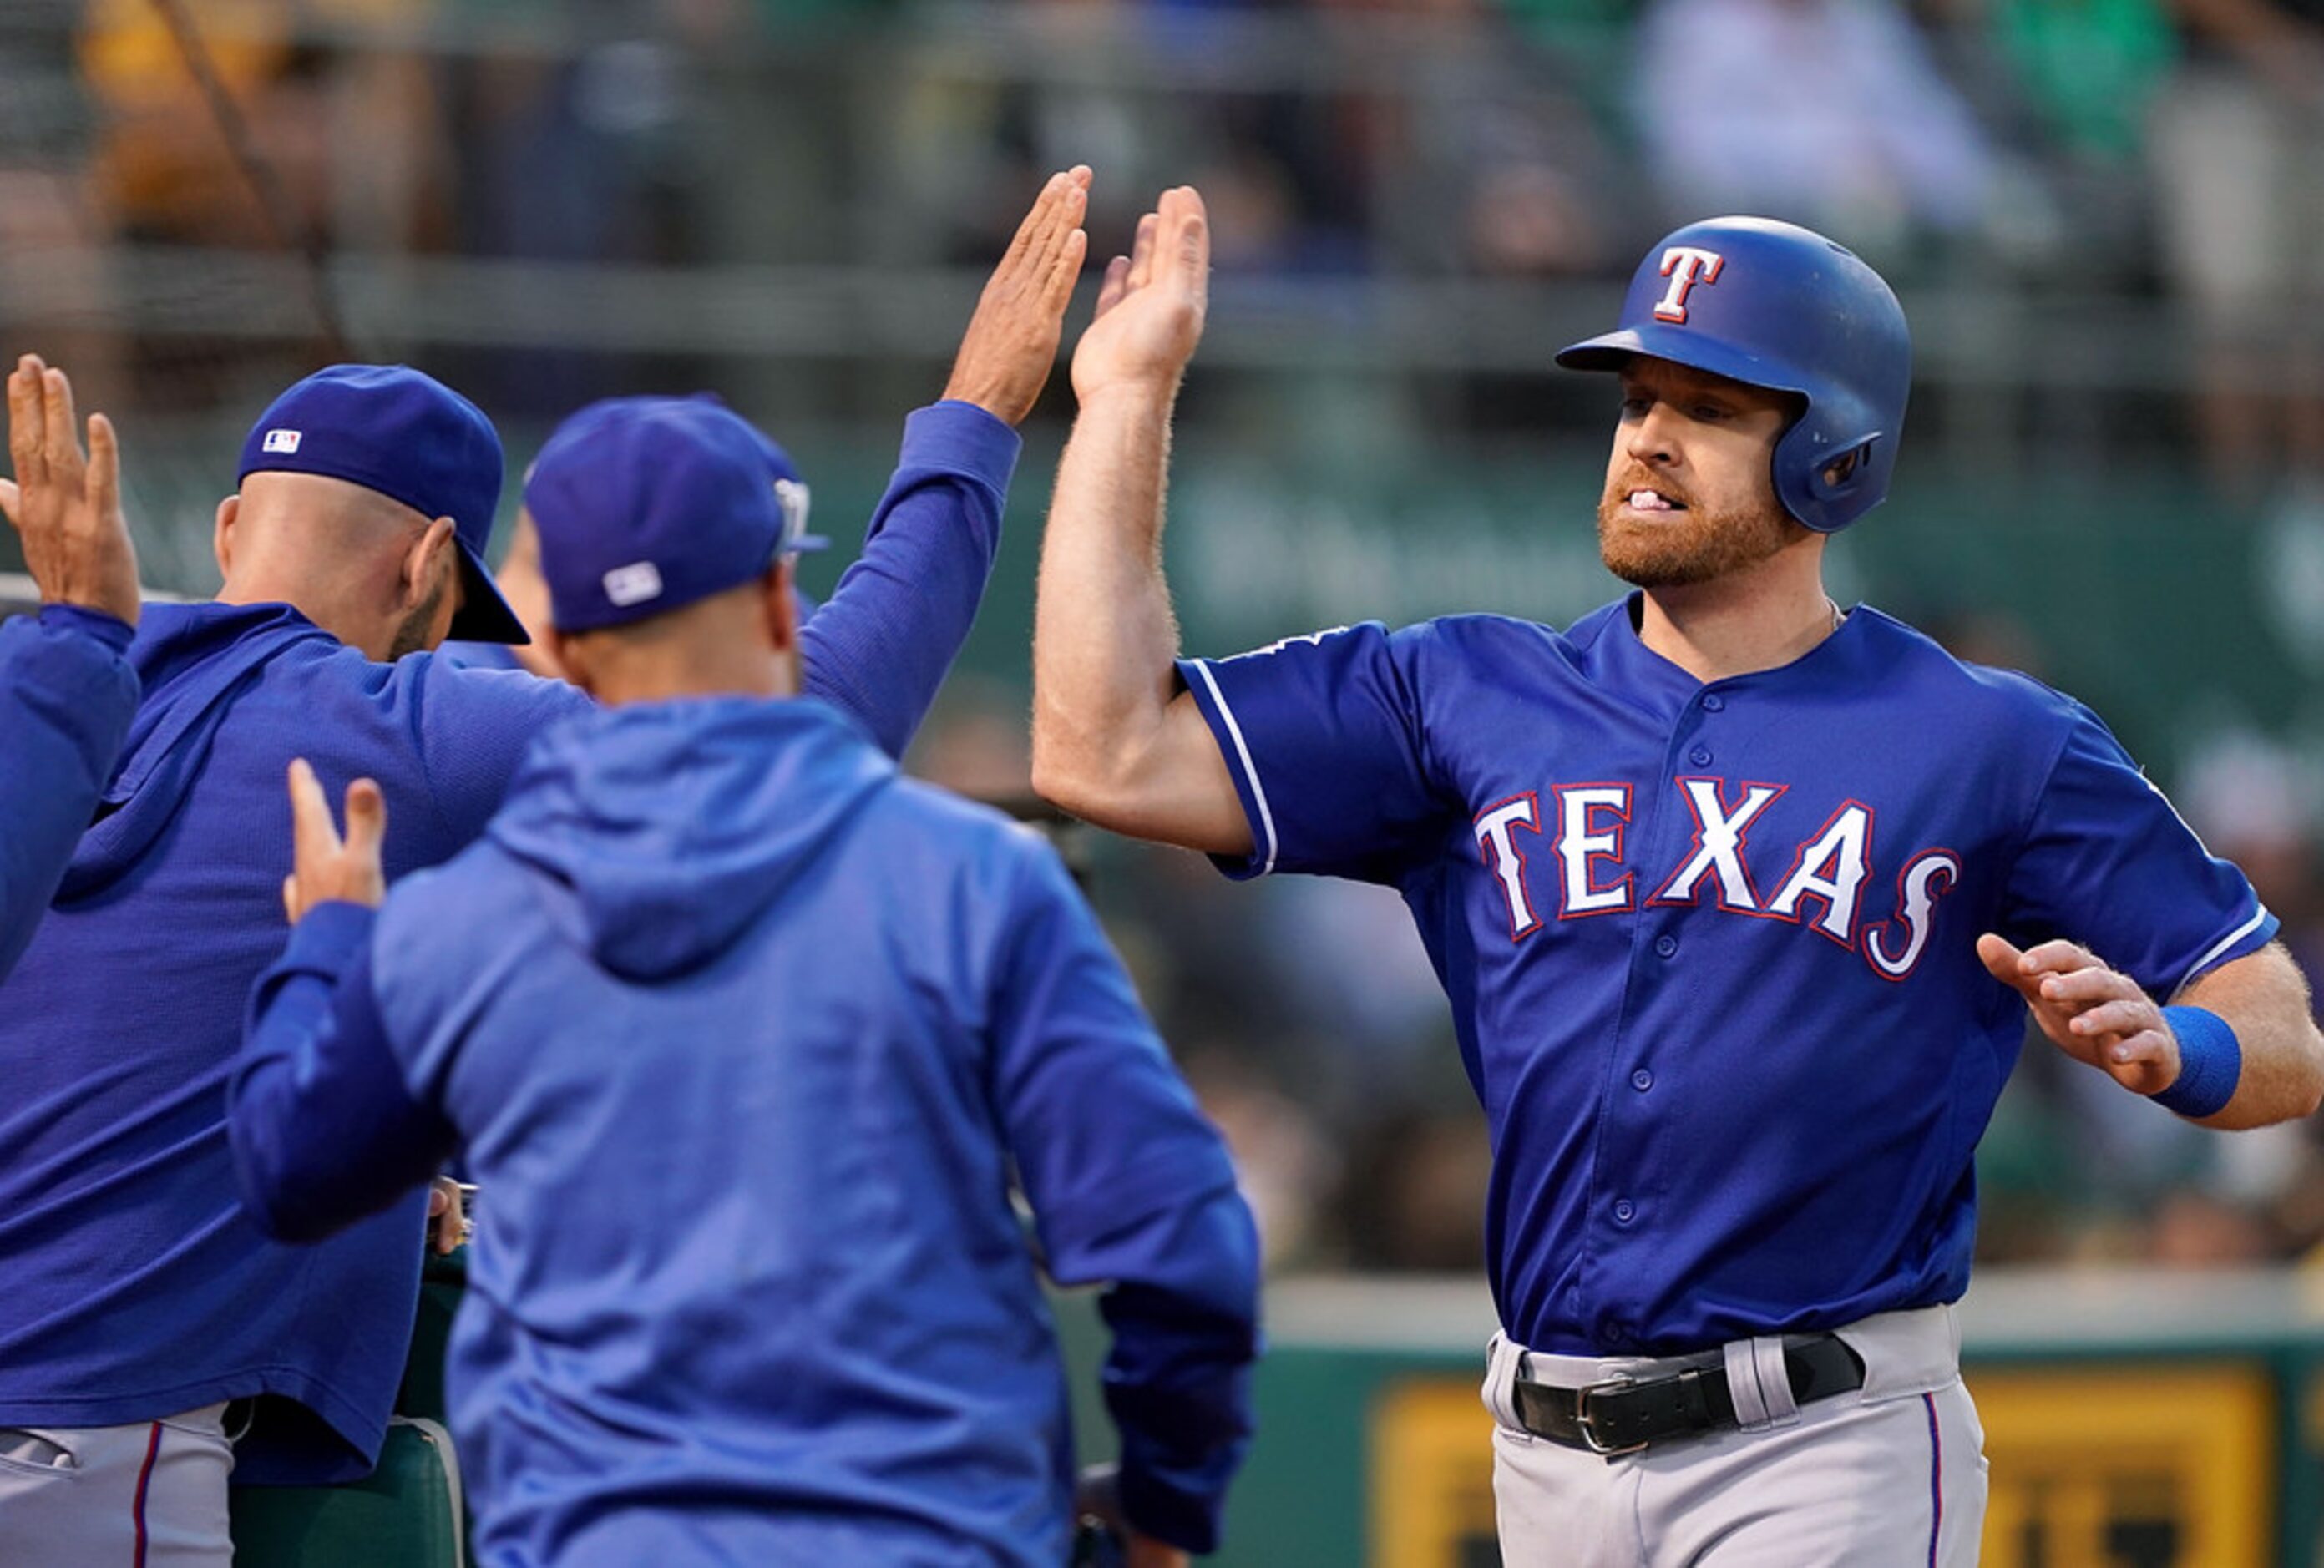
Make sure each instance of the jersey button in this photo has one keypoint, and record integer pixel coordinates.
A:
(1712, 702)
(1666, 944)
(1624, 1211)
(1700, 756)
(1642, 1080)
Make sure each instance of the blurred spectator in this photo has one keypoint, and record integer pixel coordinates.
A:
(1286, 1168)
(54, 225)
(2240, 198)
(1829, 112)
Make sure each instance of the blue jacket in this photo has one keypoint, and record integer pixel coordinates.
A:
(743, 1036)
(66, 695)
(136, 1286)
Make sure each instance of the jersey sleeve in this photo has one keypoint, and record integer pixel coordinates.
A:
(1322, 735)
(67, 695)
(324, 1131)
(1130, 1187)
(2109, 863)
(880, 646)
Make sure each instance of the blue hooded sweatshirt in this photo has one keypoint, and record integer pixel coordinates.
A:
(66, 696)
(743, 1036)
(136, 1287)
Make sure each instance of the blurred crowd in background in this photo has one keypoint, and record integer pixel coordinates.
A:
(2107, 217)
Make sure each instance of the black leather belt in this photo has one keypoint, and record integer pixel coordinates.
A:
(1623, 1415)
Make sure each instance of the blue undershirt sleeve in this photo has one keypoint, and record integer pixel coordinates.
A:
(1130, 1186)
(880, 646)
(323, 1130)
(67, 696)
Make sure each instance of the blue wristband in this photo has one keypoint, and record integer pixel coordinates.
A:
(2210, 1061)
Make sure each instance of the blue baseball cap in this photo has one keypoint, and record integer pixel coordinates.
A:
(647, 504)
(413, 439)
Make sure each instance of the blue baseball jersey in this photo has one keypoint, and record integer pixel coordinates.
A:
(1710, 947)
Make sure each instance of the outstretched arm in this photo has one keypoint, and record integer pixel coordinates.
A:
(2100, 1016)
(323, 1129)
(882, 645)
(1114, 740)
(67, 691)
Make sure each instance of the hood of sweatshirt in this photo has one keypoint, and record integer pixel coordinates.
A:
(192, 661)
(674, 826)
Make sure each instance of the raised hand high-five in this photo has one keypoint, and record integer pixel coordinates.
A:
(1011, 341)
(1151, 306)
(65, 505)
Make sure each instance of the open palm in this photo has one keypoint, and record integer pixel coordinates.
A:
(1151, 309)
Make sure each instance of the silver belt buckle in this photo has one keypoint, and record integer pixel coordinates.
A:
(1582, 1418)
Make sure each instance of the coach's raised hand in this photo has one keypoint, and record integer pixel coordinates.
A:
(65, 505)
(326, 867)
(1150, 308)
(1012, 339)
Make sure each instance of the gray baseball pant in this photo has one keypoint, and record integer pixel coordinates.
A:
(1892, 1475)
(151, 1494)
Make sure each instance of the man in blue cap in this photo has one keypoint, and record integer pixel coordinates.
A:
(66, 691)
(141, 1300)
(779, 1023)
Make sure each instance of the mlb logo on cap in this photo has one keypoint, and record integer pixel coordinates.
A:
(633, 583)
(281, 442)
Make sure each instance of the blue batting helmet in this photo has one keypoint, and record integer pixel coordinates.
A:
(1780, 307)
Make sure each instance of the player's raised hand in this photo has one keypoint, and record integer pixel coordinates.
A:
(325, 868)
(65, 505)
(2094, 1014)
(1150, 308)
(1011, 341)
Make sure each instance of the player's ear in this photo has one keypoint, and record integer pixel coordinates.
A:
(221, 535)
(572, 657)
(781, 599)
(432, 558)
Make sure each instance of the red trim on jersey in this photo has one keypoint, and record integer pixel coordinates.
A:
(1799, 858)
(1661, 896)
(1484, 853)
(1557, 848)
(1939, 883)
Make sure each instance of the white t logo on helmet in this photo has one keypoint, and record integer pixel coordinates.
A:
(1686, 266)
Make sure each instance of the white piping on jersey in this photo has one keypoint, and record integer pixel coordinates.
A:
(2259, 916)
(1249, 771)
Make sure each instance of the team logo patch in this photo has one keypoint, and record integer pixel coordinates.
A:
(1686, 266)
(633, 583)
(281, 442)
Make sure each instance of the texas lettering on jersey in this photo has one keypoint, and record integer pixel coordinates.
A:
(1822, 885)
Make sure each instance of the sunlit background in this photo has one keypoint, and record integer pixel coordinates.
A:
(2106, 218)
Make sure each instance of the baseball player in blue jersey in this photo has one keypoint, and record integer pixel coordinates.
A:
(1739, 898)
(67, 691)
(745, 1035)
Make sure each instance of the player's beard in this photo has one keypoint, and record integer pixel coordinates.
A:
(1680, 548)
(412, 634)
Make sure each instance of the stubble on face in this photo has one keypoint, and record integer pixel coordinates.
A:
(1680, 548)
(417, 631)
